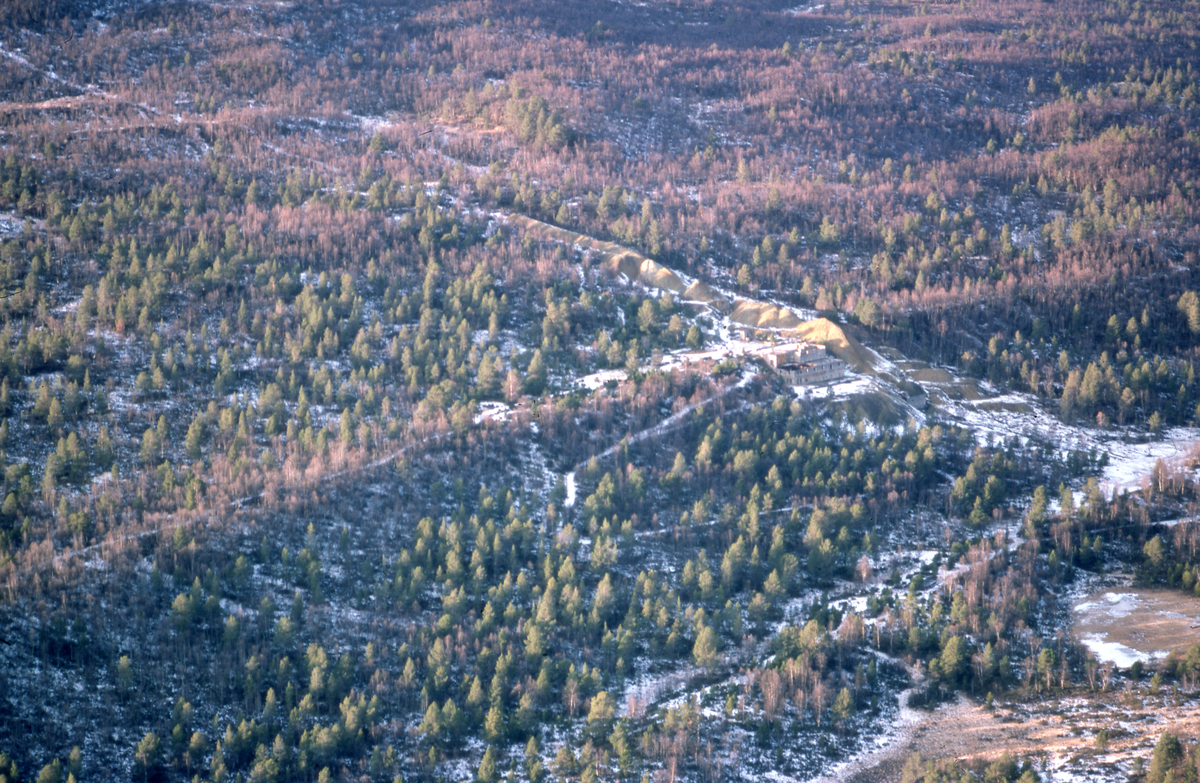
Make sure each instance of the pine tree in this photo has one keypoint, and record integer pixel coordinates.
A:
(54, 415)
(487, 767)
(431, 726)
(600, 714)
(1167, 754)
(148, 756)
(476, 697)
(195, 437)
(1045, 664)
(533, 762)
(706, 651)
(1189, 307)
(51, 773)
(75, 762)
(150, 446)
(565, 763)
(535, 376)
(843, 706)
(494, 729)
(619, 740)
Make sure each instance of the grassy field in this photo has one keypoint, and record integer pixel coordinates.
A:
(1152, 622)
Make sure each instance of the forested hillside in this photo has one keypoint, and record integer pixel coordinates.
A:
(339, 444)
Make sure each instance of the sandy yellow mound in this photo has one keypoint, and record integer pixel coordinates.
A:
(763, 316)
(647, 272)
(824, 332)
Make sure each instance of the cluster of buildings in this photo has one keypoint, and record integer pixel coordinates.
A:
(802, 363)
(799, 363)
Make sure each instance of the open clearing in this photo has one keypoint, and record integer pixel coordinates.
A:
(1058, 732)
(1129, 625)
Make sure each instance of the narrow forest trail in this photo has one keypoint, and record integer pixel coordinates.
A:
(231, 506)
(86, 92)
(656, 429)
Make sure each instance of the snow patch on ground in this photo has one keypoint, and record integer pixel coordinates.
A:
(1130, 460)
(1115, 652)
(848, 388)
(880, 364)
(812, 8)
(11, 225)
(927, 556)
(598, 380)
(493, 411)
(649, 688)
(1130, 463)
(893, 734)
(1115, 605)
(569, 483)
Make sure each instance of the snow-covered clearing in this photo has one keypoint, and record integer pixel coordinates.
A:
(847, 388)
(647, 688)
(598, 380)
(492, 411)
(1131, 463)
(1130, 458)
(811, 8)
(1114, 652)
(11, 225)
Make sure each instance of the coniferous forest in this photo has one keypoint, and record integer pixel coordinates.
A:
(385, 391)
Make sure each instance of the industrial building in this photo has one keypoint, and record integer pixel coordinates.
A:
(803, 363)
